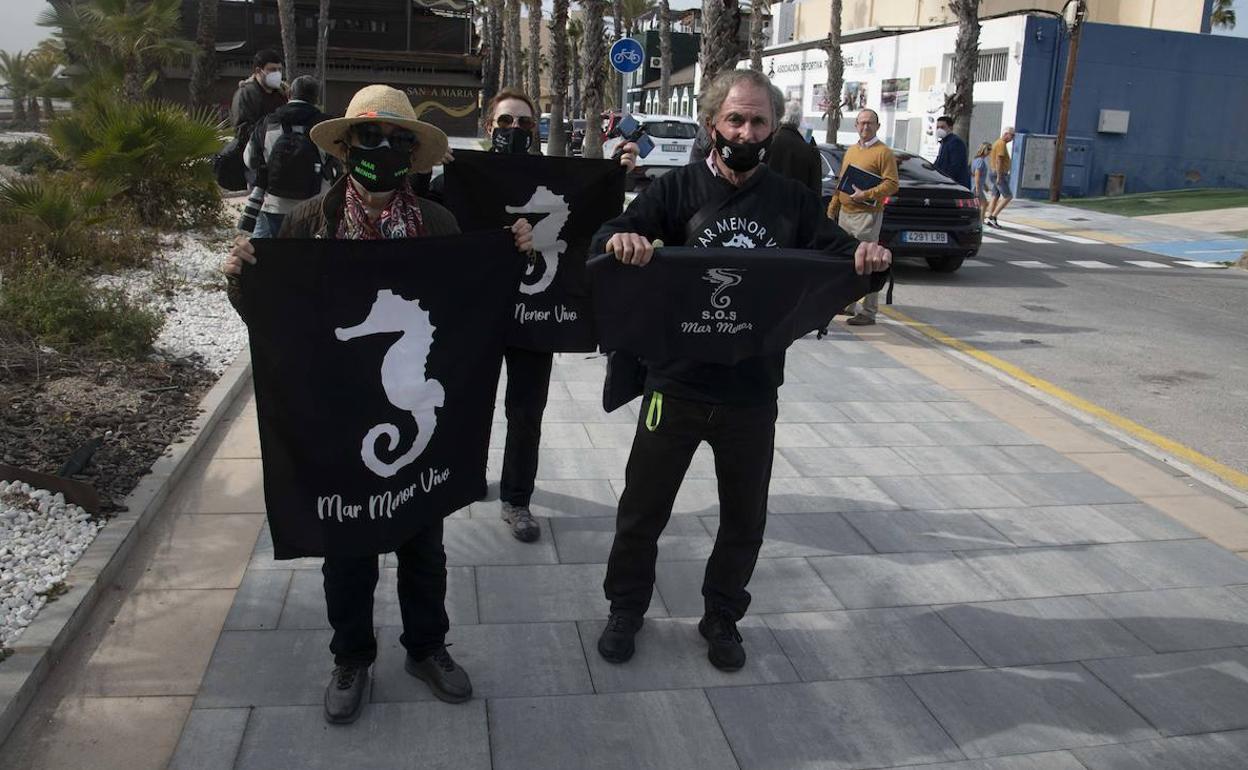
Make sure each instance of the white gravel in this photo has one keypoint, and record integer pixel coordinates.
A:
(41, 537)
(185, 283)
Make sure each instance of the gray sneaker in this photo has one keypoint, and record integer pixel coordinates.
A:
(446, 679)
(344, 697)
(523, 526)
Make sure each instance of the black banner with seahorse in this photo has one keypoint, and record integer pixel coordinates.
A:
(566, 200)
(375, 365)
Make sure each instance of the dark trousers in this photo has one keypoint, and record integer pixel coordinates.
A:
(349, 586)
(528, 382)
(742, 439)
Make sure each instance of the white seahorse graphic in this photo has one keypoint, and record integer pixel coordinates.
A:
(545, 236)
(402, 377)
(722, 277)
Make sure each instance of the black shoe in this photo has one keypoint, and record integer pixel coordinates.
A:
(344, 697)
(447, 681)
(616, 643)
(724, 648)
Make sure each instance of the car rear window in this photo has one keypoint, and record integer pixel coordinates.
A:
(671, 129)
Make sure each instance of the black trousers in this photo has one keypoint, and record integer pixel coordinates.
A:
(350, 583)
(528, 382)
(742, 439)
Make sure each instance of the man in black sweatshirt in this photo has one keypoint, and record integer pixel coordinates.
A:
(727, 200)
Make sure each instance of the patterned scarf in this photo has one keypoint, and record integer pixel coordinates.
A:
(401, 218)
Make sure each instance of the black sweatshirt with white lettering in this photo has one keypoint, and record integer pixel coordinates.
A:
(767, 211)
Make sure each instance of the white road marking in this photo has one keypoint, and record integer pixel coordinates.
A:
(1020, 237)
(1033, 264)
(1091, 264)
(1202, 265)
(987, 239)
(1147, 263)
(975, 263)
(1059, 236)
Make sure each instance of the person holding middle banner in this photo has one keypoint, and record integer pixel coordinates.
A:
(729, 200)
(380, 140)
(511, 125)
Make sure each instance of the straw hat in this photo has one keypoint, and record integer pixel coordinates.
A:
(382, 104)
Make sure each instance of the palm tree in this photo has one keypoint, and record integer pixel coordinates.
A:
(15, 73)
(558, 77)
(322, 46)
(960, 104)
(1223, 15)
(593, 61)
(491, 48)
(720, 49)
(633, 10)
(290, 49)
(204, 63)
(43, 64)
(534, 89)
(836, 73)
(758, 33)
(513, 70)
(665, 55)
(576, 36)
(132, 37)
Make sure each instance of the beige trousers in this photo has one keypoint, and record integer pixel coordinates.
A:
(865, 227)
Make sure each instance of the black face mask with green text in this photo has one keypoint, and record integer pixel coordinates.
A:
(379, 169)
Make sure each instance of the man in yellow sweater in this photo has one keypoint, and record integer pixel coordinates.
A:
(861, 213)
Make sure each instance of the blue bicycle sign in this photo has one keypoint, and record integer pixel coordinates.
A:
(627, 55)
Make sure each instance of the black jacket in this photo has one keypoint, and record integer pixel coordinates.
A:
(768, 211)
(252, 102)
(951, 160)
(794, 157)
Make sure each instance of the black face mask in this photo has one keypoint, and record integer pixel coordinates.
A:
(379, 169)
(510, 140)
(741, 156)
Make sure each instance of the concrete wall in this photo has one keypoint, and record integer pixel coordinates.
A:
(1187, 95)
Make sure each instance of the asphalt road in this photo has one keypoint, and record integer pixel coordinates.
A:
(1163, 344)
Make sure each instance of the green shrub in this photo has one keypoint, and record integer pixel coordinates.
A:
(62, 307)
(157, 151)
(31, 155)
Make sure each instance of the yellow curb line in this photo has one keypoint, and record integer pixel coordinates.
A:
(1130, 427)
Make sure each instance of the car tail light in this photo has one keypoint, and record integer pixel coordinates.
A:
(968, 203)
(888, 199)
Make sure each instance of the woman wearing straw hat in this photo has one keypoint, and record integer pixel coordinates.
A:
(381, 143)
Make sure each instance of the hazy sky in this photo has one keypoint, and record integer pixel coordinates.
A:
(18, 31)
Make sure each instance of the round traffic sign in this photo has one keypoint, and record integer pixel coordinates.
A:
(627, 55)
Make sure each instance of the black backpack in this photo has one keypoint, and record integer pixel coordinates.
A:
(227, 165)
(294, 164)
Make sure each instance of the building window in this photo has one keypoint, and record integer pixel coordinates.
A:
(991, 68)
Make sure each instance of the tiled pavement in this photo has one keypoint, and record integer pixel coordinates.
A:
(954, 576)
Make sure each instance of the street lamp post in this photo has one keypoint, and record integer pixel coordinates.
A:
(1074, 13)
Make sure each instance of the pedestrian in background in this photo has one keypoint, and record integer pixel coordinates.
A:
(257, 96)
(951, 160)
(999, 183)
(979, 177)
(289, 167)
(791, 155)
(861, 213)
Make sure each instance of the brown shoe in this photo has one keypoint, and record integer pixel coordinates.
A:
(861, 320)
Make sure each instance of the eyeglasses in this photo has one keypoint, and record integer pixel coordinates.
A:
(371, 136)
(525, 122)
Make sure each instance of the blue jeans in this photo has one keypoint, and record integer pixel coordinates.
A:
(268, 225)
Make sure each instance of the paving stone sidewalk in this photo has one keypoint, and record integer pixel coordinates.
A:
(952, 574)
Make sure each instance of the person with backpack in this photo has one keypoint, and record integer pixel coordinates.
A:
(256, 97)
(288, 166)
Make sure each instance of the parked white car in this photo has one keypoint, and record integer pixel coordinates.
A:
(673, 137)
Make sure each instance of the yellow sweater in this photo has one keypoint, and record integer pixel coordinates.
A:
(879, 160)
